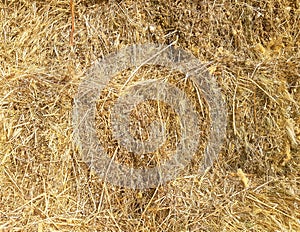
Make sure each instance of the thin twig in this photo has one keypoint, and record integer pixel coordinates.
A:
(73, 22)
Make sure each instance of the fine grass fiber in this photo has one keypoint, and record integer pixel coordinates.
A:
(252, 48)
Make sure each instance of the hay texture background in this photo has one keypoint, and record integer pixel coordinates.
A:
(251, 47)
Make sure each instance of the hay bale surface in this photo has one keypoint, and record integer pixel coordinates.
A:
(251, 47)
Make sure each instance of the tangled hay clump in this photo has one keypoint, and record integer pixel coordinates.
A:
(250, 47)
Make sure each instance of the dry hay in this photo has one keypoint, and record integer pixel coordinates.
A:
(252, 47)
